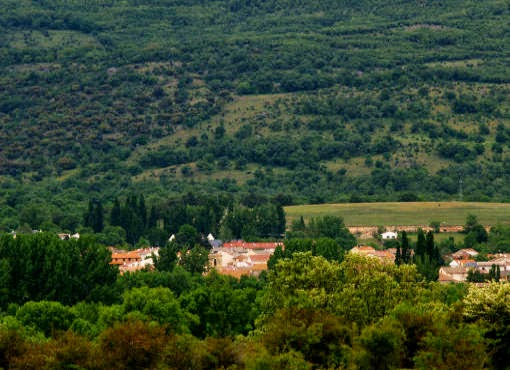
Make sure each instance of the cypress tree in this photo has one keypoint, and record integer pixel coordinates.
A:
(406, 253)
(429, 245)
(98, 218)
(280, 219)
(398, 257)
(88, 218)
(142, 211)
(115, 219)
(153, 218)
(94, 217)
(420, 243)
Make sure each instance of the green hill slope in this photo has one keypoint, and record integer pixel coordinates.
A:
(321, 100)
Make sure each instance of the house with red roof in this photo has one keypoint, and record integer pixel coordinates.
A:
(238, 257)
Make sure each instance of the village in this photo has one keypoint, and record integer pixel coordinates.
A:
(237, 258)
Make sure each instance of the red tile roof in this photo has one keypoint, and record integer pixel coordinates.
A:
(260, 257)
(128, 255)
(247, 245)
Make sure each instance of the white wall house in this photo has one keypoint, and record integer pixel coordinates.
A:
(389, 235)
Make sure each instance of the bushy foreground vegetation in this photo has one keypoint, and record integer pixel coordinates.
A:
(63, 306)
(320, 100)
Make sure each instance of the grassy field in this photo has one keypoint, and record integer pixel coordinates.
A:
(412, 213)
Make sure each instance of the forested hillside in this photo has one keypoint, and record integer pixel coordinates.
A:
(320, 100)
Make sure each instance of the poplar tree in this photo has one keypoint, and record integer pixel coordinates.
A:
(406, 252)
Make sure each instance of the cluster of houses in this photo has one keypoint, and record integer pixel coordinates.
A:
(386, 255)
(135, 260)
(464, 260)
(238, 257)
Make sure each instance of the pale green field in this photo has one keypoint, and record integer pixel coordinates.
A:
(412, 213)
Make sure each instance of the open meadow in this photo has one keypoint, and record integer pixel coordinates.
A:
(408, 213)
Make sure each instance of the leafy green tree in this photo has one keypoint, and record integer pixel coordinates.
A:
(167, 257)
(275, 257)
(112, 235)
(435, 225)
(332, 227)
(195, 259)
(46, 316)
(156, 304)
(476, 235)
(499, 238)
(132, 345)
(297, 245)
(328, 248)
(462, 347)
(302, 282)
(34, 215)
(187, 236)
(471, 222)
(489, 306)
(382, 345)
(5, 275)
(416, 320)
(43, 267)
(322, 338)
(376, 288)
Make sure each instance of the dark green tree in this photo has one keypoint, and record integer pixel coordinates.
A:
(43, 267)
(167, 258)
(195, 259)
(406, 251)
(153, 218)
(115, 215)
(494, 273)
(429, 244)
(475, 276)
(281, 221)
(299, 224)
(420, 249)
(94, 217)
(98, 224)
(142, 211)
(328, 248)
(187, 236)
(275, 257)
(398, 256)
(471, 222)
